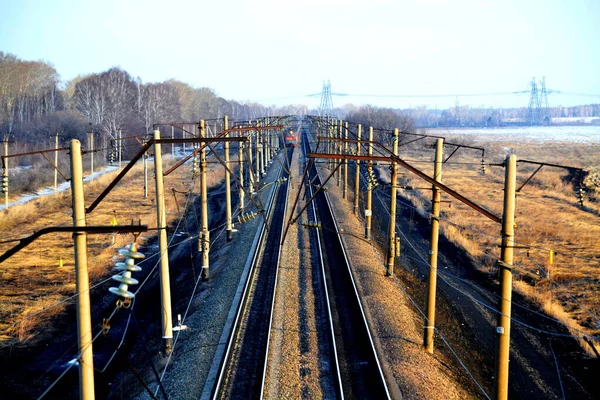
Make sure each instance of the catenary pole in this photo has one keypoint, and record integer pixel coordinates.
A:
(369, 210)
(56, 162)
(357, 172)
(506, 256)
(241, 171)
(339, 145)
(161, 218)
(392, 228)
(227, 184)
(82, 279)
(205, 234)
(91, 144)
(345, 187)
(5, 173)
(433, 250)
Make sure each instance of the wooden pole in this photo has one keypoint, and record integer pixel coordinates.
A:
(433, 250)
(161, 218)
(82, 279)
(506, 256)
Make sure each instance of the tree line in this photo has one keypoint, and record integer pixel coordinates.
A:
(35, 104)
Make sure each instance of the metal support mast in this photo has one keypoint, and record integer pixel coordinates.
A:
(326, 106)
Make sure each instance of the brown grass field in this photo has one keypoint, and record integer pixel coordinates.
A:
(34, 287)
(548, 217)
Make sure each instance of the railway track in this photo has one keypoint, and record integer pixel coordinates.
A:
(355, 371)
(241, 374)
(361, 375)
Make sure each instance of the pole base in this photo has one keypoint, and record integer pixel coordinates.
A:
(168, 345)
(389, 270)
(204, 274)
(229, 235)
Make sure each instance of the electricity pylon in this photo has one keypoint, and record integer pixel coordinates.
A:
(326, 106)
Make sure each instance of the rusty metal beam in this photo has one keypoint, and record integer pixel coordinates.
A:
(548, 164)
(252, 128)
(88, 229)
(35, 152)
(206, 141)
(415, 171)
(335, 139)
(119, 177)
(201, 140)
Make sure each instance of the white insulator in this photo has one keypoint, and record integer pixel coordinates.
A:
(121, 266)
(132, 254)
(122, 291)
(125, 279)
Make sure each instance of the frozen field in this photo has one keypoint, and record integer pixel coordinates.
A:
(578, 134)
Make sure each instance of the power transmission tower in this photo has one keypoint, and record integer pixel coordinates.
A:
(457, 111)
(534, 115)
(326, 107)
(545, 107)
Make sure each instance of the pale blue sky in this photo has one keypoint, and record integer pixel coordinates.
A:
(271, 50)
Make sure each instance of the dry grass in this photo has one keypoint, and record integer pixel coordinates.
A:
(548, 217)
(32, 280)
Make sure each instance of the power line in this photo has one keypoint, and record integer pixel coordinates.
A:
(441, 273)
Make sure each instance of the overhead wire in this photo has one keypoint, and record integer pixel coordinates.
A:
(463, 365)
(492, 308)
(49, 388)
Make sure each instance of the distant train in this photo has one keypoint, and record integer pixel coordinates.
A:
(291, 139)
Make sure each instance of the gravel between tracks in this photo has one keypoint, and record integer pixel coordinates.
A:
(395, 325)
(299, 364)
